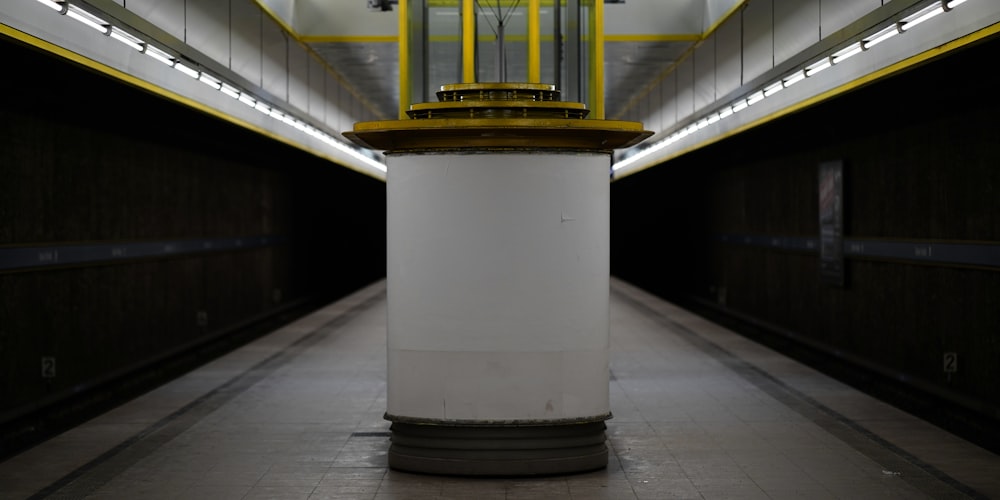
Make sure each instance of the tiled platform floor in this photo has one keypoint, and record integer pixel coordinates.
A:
(699, 412)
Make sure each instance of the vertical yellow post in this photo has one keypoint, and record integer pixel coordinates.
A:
(468, 41)
(404, 58)
(534, 42)
(597, 62)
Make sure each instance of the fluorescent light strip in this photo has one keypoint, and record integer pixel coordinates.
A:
(88, 19)
(164, 57)
(59, 7)
(818, 66)
(229, 90)
(210, 80)
(770, 89)
(187, 70)
(248, 100)
(920, 16)
(842, 54)
(159, 55)
(773, 88)
(794, 78)
(126, 38)
(881, 36)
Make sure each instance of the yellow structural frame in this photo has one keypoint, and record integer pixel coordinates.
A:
(597, 60)
(534, 42)
(468, 39)
(404, 57)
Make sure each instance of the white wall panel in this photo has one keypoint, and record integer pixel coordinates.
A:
(715, 9)
(274, 64)
(332, 104)
(167, 15)
(207, 28)
(796, 27)
(283, 9)
(298, 76)
(728, 57)
(758, 40)
(834, 15)
(704, 74)
(644, 17)
(685, 87)
(317, 89)
(653, 120)
(244, 41)
(348, 18)
(348, 110)
(668, 92)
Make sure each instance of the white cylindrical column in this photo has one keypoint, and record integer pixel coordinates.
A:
(498, 281)
(498, 287)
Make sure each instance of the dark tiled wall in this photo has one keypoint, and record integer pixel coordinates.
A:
(88, 160)
(921, 155)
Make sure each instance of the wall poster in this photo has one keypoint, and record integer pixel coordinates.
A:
(831, 223)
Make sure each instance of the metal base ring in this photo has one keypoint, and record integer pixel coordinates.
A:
(498, 450)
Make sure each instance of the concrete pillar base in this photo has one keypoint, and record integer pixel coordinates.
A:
(498, 450)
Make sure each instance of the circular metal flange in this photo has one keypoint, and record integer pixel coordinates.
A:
(497, 116)
(498, 109)
(498, 91)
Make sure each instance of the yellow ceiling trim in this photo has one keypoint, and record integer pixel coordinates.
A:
(350, 38)
(725, 17)
(276, 18)
(160, 91)
(890, 70)
(653, 38)
(485, 38)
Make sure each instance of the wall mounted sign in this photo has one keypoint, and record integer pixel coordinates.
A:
(831, 223)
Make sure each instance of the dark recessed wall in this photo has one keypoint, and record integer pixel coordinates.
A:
(921, 156)
(88, 160)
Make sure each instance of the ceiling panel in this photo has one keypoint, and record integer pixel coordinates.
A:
(370, 67)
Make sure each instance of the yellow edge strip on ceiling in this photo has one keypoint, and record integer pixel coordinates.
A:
(652, 38)
(468, 41)
(890, 70)
(485, 38)
(157, 90)
(534, 43)
(723, 18)
(350, 38)
(274, 16)
(404, 57)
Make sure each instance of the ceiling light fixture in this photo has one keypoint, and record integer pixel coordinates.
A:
(369, 159)
(896, 27)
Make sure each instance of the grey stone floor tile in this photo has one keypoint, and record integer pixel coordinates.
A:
(699, 413)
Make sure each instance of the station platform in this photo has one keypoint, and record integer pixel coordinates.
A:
(698, 412)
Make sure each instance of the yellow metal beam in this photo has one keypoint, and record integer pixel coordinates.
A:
(597, 63)
(404, 58)
(468, 41)
(534, 42)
